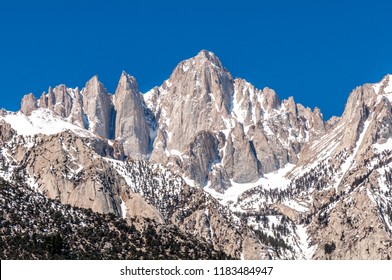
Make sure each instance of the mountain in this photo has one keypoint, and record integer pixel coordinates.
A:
(215, 158)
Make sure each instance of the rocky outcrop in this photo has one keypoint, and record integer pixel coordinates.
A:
(29, 104)
(240, 161)
(98, 107)
(131, 128)
(77, 115)
(137, 207)
(62, 101)
(64, 167)
(200, 155)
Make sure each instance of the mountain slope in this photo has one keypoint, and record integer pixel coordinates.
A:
(34, 227)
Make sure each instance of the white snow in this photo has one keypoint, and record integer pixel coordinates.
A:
(277, 178)
(207, 213)
(295, 205)
(185, 67)
(41, 121)
(229, 124)
(269, 181)
(267, 129)
(189, 182)
(304, 245)
(120, 168)
(123, 209)
(148, 96)
(233, 192)
(388, 88)
(385, 146)
(238, 112)
(377, 87)
(176, 153)
(381, 178)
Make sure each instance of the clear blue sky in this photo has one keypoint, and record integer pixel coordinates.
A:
(316, 51)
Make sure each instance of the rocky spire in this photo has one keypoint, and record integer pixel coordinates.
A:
(98, 107)
(131, 127)
(43, 101)
(29, 104)
(51, 99)
(62, 101)
(77, 115)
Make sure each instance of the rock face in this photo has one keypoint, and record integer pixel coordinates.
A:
(68, 171)
(131, 127)
(29, 104)
(241, 162)
(98, 107)
(137, 207)
(200, 155)
(77, 115)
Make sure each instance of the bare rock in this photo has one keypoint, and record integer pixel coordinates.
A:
(98, 107)
(29, 104)
(131, 127)
(137, 207)
(77, 115)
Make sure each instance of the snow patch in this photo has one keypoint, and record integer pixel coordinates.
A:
(176, 153)
(295, 206)
(307, 250)
(238, 112)
(185, 67)
(189, 182)
(385, 146)
(41, 121)
(123, 209)
(277, 179)
(388, 88)
(271, 180)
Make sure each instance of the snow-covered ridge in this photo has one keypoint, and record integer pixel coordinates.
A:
(41, 121)
(384, 87)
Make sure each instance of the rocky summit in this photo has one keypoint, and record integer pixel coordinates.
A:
(206, 157)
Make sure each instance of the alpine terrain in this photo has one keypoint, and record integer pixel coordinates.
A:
(204, 166)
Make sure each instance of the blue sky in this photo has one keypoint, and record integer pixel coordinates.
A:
(316, 51)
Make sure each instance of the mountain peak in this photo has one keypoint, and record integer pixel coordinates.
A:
(93, 79)
(205, 55)
(94, 87)
(126, 78)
